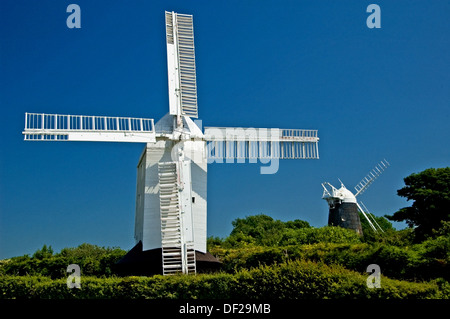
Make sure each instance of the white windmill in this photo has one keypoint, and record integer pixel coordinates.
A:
(344, 206)
(171, 200)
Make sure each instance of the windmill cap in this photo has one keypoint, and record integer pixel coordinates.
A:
(345, 195)
(342, 194)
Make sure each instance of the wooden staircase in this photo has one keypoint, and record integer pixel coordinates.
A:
(177, 256)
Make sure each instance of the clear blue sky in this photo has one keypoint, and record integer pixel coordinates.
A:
(371, 93)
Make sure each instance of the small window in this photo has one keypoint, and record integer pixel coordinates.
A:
(193, 199)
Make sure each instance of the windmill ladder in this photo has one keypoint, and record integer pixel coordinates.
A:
(177, 256)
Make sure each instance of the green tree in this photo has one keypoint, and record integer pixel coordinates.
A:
(430, 191)
(297, 224)
(44, 252)
(381, 221)
(262, 230)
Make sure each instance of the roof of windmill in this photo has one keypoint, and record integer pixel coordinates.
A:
(346, 195)
(342, 193)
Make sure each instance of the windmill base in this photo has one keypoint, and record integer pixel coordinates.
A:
(345, 215)
(148, 263)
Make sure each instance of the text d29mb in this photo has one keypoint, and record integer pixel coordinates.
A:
(246, 308)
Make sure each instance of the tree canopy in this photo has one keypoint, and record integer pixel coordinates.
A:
(430, 191)
(263, 230)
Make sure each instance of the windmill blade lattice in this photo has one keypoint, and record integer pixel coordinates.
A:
(369, 178)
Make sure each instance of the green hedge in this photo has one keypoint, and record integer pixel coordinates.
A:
(291, 280)
(425, 261)
(93, 260)
(282, 236)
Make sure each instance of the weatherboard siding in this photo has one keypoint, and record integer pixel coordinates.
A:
(199, 183)
(147, 218)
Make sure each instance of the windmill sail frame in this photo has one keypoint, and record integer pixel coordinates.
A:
(261, 143)
(362, 186)
(181, 64)
(65, 127)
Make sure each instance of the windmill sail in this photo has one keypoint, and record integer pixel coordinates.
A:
(371, 216)
(57, 127)
(181, 64)
(365, 215)
(253, 143)
(369, 178)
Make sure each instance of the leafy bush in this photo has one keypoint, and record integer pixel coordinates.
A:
(283, 236)
(399, 238)
(93, 261)
(395, 251)
(426, 261)
(262, 258)
(45, 252)
(433, 258)
(291, 280)
(329, 234)
(261, 230)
